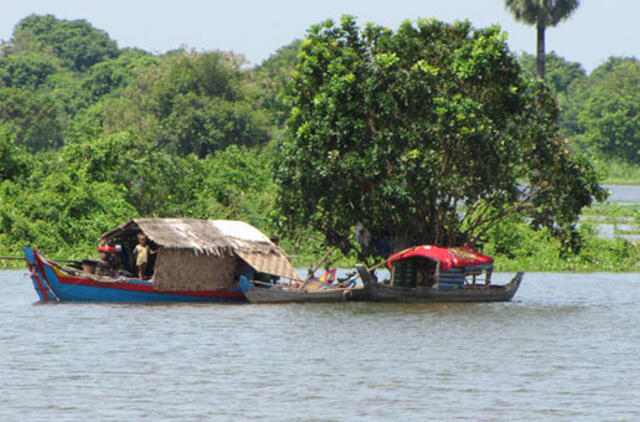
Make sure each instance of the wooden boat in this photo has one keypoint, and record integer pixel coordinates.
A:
(310, 291)
(431, 274)
(196, 261)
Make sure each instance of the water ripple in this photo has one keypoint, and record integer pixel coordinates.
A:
(565, 349)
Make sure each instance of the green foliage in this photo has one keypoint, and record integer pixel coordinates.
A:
(91, 136)
(273, 81)
(77, 43)
(607, 107)
(618, 172)
(423, 135)
(516, 247)
(560, 73)
(33, 116)
(111, 76)
(28, 71)
(201, 107)
(63, 214)
(13, 159)
(153, 182)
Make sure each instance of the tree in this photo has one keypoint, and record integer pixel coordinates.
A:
(273, 81)
(116, 74)
(25, 71)
(13, 159)
(606, 106)
(423, 135)
(542, 14)
(559, 72)
(34, 117)
(201, 106)
(560, 76)
(76, 42)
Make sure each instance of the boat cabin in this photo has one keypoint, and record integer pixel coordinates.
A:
(440, 268)
(190, 254)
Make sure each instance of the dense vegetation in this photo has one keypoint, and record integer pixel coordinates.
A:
(92, 135)
(426, 134)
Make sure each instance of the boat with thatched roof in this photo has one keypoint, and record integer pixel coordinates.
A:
(191, 260)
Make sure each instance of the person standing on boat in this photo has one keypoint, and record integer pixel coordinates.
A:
(142, 252)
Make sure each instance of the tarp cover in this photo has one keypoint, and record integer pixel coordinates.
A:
(463, 256)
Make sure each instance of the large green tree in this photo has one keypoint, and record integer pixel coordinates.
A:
(200, 102)
(542, 14)
(76, 42)
(606, 108)
(422, 135)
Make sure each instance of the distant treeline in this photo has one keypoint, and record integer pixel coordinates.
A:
(92, 135)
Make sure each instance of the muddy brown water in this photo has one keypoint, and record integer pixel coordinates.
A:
(566, 348)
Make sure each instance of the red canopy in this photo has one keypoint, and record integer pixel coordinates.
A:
(463, 256)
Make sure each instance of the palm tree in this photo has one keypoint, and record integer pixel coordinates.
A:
(542, 14)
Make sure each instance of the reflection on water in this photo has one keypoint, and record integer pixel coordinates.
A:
(564, 349)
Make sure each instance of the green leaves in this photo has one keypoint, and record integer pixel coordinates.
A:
(607, 107)
(77, 43)
(414, 133)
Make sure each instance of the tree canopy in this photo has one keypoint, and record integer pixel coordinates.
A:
(77, 43)
(560, 73)
(606, 108)
(422, 135)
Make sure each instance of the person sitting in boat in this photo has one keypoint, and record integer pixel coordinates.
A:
(244, 269)
(142, 252)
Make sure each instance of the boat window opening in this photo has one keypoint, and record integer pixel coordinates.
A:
(414, 272)
(477, 277)
(118, 260)
(243, 269)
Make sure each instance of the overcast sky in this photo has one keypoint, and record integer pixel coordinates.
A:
(597, 30)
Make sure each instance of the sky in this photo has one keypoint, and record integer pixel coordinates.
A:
(597, 30)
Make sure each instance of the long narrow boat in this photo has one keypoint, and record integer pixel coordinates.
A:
(194, 261)
(55, 283)
(431, 274)
(308, 292)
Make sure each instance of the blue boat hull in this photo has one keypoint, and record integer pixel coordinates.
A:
(53, 284)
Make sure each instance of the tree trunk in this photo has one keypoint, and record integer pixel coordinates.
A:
(540, 56)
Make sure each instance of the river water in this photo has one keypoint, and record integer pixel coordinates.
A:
(566, 348)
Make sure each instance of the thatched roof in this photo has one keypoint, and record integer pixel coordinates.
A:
(209, 237)
(217, 238)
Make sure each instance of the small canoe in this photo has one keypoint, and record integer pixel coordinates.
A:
(310, 292)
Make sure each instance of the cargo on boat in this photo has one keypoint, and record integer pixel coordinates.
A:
(432, 274)
(185, 260)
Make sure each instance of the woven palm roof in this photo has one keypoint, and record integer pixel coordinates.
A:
(210, 237)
